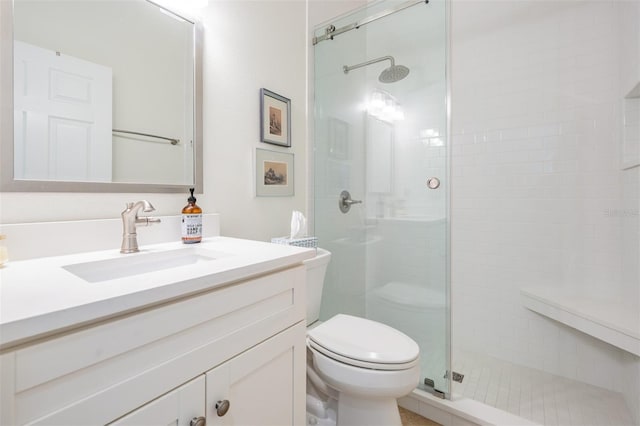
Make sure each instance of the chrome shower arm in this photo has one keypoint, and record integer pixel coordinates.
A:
(346, 69)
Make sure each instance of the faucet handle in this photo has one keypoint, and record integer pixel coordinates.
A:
(147, 221)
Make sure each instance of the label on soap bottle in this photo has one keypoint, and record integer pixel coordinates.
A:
(191, 228)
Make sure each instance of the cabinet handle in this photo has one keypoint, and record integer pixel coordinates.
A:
(198, 421)
(222, 407)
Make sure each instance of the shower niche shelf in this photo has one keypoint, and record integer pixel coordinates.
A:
(607, 321)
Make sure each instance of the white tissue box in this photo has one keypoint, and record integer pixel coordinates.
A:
(311, 242)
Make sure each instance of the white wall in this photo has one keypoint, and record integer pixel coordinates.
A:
(323, 11)
(248, 45)
(536, 96)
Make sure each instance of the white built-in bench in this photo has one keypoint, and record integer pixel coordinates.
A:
(614, 323)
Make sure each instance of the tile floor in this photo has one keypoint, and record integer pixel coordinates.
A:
(538, 396)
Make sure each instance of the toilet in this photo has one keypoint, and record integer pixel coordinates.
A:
(356, 368)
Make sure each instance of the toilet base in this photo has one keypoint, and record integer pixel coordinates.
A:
(354, 411)
(318, 421)
(320, 412)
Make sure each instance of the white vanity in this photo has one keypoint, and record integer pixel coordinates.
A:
(214, 332)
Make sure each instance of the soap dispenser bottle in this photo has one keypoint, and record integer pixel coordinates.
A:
(191, 221)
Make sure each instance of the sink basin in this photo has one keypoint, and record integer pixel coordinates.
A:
(141, 263)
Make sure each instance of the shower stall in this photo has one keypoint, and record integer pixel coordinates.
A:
(381, 172)
(477, 179)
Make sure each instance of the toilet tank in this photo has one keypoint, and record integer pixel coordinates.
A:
(316, 270)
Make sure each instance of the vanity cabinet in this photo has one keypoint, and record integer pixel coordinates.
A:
(257, 385)
(178, 407)
(243, 342)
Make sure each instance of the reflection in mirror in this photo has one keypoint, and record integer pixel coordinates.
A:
(104, 92)
(379, 154)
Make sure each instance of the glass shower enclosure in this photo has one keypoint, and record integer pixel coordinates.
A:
(381, 172)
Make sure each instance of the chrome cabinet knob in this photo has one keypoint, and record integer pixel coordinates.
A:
(222, 407)
(198, 421)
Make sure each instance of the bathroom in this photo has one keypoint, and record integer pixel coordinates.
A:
(525, 206)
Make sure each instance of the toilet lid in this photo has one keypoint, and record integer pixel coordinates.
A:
(364, 341)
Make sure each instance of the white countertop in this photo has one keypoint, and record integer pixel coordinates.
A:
(38, 297)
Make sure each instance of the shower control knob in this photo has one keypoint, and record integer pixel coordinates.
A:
(345, 202)
(198, 421)
(222, 407)
(433, 183)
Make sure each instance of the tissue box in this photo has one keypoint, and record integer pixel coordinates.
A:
(310, 242)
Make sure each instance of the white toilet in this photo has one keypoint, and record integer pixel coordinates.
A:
(356, 368)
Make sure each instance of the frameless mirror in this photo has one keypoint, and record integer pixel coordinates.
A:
(105, 97)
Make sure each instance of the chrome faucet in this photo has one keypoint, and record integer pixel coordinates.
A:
(129, 221)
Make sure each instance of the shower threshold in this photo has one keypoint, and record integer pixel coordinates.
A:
(459, 411)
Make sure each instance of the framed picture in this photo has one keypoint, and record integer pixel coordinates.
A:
(274, 173)
(275, 118)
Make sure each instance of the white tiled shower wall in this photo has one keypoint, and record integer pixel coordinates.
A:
(537, 91)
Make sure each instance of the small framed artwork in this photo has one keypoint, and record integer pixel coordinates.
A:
(275, 118)
(274, 173)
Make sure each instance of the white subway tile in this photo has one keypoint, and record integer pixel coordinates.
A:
(533, 202)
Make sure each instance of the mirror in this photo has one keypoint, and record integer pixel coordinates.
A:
(106, 97)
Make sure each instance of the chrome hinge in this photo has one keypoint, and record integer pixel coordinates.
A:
(456, 377)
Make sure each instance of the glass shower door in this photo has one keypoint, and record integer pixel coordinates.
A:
(381, 136)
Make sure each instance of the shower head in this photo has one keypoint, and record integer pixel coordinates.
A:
(393, 73)
(388, 75)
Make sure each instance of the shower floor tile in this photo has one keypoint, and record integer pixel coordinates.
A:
(538, 396)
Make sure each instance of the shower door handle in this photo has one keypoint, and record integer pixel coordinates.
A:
(345, 202)
(433, 183)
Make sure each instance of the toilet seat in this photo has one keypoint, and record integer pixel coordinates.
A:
(364, 343)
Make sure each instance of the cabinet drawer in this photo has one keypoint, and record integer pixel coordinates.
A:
(146, 354)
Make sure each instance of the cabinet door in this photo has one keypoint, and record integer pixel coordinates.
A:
(263, 386)
(176, 408)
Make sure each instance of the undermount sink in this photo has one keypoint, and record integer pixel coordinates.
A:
(142, 263)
